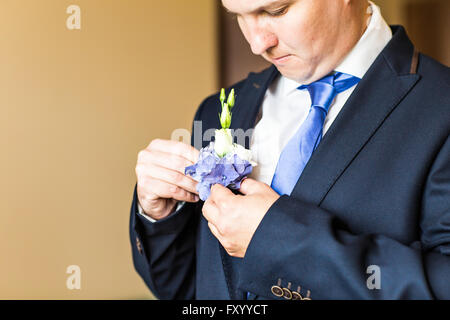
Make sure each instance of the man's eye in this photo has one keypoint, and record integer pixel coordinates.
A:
(276, 13)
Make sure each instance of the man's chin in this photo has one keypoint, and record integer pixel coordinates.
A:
(292, 74)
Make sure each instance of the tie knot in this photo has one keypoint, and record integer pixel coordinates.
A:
(323, 91)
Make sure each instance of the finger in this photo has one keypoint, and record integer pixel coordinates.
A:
(214, 231)
(171, 176)
(164, 159)
(249, 186)
(175, 147)
(219, 193)
(210, 211)
(162, 189)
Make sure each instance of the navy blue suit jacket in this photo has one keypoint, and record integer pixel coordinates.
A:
(375, 192)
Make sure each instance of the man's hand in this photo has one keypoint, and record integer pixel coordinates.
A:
(233, 219)
(161, 181)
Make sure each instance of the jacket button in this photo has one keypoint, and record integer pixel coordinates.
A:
(308, 296)
(296, 296)
(287, 293)
(277, 291)
(139, 246)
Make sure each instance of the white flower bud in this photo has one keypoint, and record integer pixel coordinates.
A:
(225, 117)
(224, 142)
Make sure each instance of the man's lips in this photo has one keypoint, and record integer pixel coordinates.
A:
(281, 59)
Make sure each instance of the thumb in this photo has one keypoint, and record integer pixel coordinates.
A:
(249, 186)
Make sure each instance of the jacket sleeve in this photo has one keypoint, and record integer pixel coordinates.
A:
(307, 246)
(164, 251)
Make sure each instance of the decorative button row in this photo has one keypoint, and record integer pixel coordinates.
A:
(286, 293)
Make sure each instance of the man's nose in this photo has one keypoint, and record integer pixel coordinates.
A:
(261, 39)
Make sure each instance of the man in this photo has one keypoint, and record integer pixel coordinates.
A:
(351, 195)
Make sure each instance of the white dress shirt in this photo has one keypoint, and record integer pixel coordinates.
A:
(284, 108)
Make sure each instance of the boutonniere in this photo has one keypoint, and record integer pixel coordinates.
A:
(222, 161)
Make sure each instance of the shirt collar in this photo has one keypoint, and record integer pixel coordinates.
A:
(373, 41)
(363, 54)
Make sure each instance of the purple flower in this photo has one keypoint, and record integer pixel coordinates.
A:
(210, 169)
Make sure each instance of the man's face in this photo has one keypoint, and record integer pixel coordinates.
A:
(300, 37)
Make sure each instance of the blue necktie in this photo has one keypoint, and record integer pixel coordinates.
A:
(299, 149)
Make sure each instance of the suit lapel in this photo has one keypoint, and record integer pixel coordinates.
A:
(376, 96)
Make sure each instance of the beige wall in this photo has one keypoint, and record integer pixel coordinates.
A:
(76, 107)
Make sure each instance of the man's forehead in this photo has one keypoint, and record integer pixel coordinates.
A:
(249, 6)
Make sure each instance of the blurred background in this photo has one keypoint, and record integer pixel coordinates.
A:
(78, 105)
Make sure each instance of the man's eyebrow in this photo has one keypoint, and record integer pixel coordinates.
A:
(270, 5)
